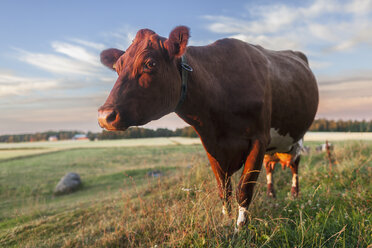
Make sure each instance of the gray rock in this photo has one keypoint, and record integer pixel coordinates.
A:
(68, 184)
(155, 173)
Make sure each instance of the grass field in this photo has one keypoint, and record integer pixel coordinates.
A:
(120, 206)
(26, 149)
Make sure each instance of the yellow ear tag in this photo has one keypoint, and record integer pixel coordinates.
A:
(114, 66)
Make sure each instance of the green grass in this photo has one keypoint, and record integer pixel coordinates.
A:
(27, 184)
(119, 206)
(10, 151)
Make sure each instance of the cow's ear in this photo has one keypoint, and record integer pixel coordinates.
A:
(110, 56)
(177, 41)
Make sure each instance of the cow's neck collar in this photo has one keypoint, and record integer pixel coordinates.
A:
(185, 69)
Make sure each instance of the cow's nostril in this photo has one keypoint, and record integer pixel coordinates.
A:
(108, 118)
(111, 117)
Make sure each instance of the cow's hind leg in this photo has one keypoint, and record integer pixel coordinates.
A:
(294, 169)
(248, 180)
(269, 163)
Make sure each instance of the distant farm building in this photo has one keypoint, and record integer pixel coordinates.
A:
(80, 137)
(52, 138)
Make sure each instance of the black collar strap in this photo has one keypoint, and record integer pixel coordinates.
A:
(185, 69)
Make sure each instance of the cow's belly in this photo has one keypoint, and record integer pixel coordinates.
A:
(280, 143)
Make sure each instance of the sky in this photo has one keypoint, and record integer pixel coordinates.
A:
(51, 77)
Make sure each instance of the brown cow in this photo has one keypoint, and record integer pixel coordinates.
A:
(291, 160)
(242, 100)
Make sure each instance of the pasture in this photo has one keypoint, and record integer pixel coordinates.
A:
(121, 206)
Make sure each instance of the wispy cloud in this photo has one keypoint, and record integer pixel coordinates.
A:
(77, 56)
(67, 59)
(321, 29)
(338, 25)
(347, 89)
(16, 85)
(76, 52)
(352, 108)
(90, 44)
(56, 63)
(69, 96)
(314, 64)
(275, 42)
(122, 37)
(348, 97)
(55, 108)
(24, 120)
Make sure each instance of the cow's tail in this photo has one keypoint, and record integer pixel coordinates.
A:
(302, 56)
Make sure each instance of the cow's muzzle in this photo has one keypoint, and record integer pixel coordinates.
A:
(109, 119)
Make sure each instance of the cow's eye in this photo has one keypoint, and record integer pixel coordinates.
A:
(149, 65)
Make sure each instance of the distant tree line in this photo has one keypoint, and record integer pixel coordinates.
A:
(324, 125)
(131, 133)
(62, 135)
(320, 125)
(137, 132)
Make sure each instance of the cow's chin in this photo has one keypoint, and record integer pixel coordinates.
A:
(114, 127)
(119, 127)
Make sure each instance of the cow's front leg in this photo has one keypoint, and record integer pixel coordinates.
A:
(294, 169)
(248, 179)
(223, 183)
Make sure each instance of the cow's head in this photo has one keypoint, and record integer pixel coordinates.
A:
(149, 83)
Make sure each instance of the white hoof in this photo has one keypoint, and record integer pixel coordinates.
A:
(224, 211)
(242, 218)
